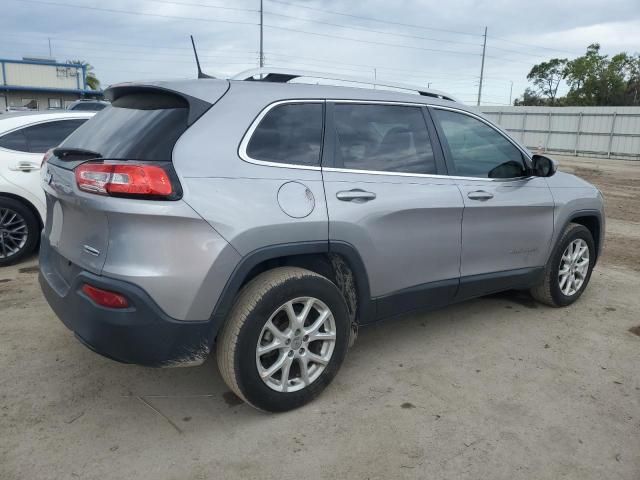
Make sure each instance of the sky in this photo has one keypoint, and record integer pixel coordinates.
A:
(437, 44)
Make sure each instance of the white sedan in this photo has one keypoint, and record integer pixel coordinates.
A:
(24, 138)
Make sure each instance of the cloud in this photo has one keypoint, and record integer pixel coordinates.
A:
(152, 42)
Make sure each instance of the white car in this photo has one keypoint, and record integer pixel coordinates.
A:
(24, 138)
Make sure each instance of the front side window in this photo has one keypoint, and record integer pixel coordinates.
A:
(289, 133)
(477, 150)
(41, 137)
(387, 138)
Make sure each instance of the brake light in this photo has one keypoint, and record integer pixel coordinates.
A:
(105, 298)
(124, 179)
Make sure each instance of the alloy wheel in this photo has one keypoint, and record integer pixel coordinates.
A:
(574, 267)
(13, 232)
(296, 344)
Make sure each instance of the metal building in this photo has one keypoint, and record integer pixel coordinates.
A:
(41, 84)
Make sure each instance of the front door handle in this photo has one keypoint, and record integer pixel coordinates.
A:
(24, 166)
(356, 195)
(480, 195)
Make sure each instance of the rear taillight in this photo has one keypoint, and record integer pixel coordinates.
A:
(125, 180)
(105, 298)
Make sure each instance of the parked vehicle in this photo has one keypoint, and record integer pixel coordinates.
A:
(24, 137)
(86, 105)
(275, 218)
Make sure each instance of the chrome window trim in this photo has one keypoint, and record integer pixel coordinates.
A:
(242, 149)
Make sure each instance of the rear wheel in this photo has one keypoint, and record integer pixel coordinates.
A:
(569, 268)
(285, 339)
(19, 231)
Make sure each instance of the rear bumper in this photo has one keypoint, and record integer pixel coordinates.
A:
(141, 334)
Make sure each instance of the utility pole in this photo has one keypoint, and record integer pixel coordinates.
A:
(375, 77)
(511, 94)
(261, 41)
(50, 55)
(484, 49)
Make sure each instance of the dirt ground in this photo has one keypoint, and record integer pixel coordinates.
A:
(494, 388)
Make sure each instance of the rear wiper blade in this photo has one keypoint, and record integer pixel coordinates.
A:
(65, 153)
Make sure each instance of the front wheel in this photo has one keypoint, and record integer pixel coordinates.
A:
(285, 339)
(569, 268)
(19, 231)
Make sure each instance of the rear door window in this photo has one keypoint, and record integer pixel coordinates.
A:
(139, 126)
(289, 133)
(41, 137)
(386, 138)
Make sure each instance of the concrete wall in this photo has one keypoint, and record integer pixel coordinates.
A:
(612, 132)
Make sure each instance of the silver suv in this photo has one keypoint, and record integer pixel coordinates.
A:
(273, 218)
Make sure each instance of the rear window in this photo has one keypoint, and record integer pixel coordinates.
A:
(141, 126)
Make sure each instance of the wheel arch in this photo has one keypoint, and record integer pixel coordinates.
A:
(330, 259)
(592, 221)
(32, 208)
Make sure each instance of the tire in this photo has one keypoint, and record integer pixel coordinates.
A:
(19, 231)
(550, 291)
(260, 306)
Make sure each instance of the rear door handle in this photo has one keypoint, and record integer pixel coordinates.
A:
(356, 195)
(480, 195)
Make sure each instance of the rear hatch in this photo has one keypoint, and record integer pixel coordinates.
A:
(137, 132)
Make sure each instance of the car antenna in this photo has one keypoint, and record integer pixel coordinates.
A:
(195, 52)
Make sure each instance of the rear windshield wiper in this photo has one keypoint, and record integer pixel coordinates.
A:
(75, 153)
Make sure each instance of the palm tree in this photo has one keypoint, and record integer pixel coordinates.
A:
(92, 81)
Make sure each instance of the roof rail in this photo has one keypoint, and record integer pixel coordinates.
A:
(283, 75)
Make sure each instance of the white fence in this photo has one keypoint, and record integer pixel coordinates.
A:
(611, 132)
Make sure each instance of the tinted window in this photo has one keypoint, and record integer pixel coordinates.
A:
(383, 137)
(44, 136)
(477, 150)
(89, 106)
(142, 126)
(290, 133)
(15, 141)
(40, 138)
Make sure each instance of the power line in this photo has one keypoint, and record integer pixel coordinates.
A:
(363, 29)
(130, 12)
(204, 5)
(371, 42)
(534, 46)
(372, 19)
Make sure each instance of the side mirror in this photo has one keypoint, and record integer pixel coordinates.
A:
(543, 166)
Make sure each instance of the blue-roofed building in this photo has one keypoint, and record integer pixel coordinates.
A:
(42, 84)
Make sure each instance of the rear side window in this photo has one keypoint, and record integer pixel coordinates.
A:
(387, 138)
(477, 150)
(40, 138)
(289, 133)
(140, 126)
(15, 140)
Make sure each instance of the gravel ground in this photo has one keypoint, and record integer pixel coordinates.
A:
(496, 388)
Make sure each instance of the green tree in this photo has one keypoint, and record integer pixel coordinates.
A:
(547, 76)
(92, 81)
(530, 98)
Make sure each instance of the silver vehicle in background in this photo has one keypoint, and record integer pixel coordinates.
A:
(273, 218)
